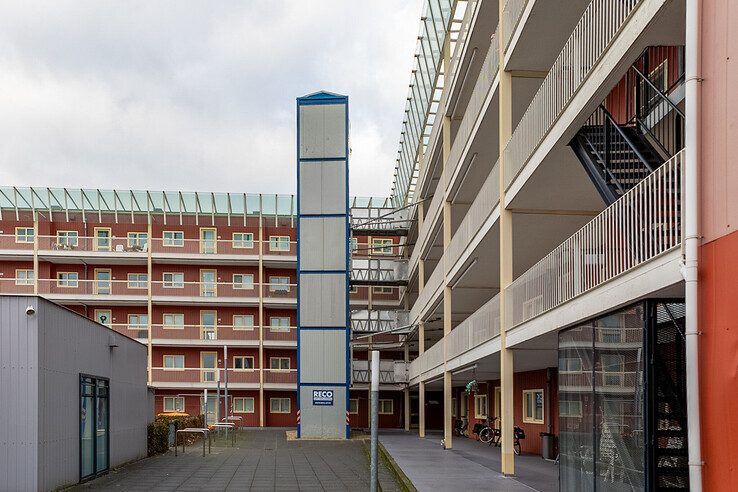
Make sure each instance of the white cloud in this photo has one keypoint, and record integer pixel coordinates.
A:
(195, 96)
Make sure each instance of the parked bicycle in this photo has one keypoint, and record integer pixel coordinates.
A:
(518, 434)
(461, 427)
(490, 434)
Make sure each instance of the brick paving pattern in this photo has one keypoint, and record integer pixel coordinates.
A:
(262, 459)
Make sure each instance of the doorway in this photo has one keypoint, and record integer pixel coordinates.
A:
(94, 426)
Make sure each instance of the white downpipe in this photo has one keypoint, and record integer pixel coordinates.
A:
(692, 238)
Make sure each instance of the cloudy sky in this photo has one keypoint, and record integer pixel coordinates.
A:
(185, 95)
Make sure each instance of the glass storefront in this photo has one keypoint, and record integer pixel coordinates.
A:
(94, 423)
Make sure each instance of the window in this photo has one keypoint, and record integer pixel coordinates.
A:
(570, 364)
(533, 406)
(138, 321)
(279, 363)
(279, 323)
(104, 316)
(137, 241)
(354, 244)
(208, 285)
(243, 321)
(279, 284)
(279, 405)
(208, 325)
(173, 280)
(243, 281)
(24, 234)
(138, 280)
(279, 243)
(24, 277)
(174, 362)
(174, 239)
(208, 364)
(67, 239)
(173, 320)
(243, 240)
(354, 406)
(353, 289)
(208, 240)
(94, 425)
(67, 279)
(480, 406)
(570, 408)
(383, 290)
(609, 335)
(381, 246)
(612, 369)
(174, 404)
(243, 404)
(386, 407)
(243, 362)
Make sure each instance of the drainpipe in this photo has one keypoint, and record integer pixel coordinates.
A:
(692, 238)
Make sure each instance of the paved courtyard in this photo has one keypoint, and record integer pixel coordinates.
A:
(470, 465)
(262, 459)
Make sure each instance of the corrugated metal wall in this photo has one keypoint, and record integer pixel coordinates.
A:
(18, 394)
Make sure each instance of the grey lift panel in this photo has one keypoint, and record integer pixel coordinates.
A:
(322, 266)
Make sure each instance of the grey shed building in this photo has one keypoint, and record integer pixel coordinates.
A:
(73, 396)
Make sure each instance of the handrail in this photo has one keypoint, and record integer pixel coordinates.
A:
(664, 97)
(628, 140)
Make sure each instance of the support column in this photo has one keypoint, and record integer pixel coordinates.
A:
(421, 409)
(506, 262)
(149, 306)
(406, 407)
(35, 253)
(261, 316)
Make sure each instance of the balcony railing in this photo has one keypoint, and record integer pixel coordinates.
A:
(482, 207)
(510, 17)
(601, 23)
(13, 242)
(280, 333)
(642, 224)
(203, 375)
(280, 376)
(223, 289)
(432, 285)
(478, 328)
(390, 371)
(89, 287)
(428, 360)
(204, 333)
(139, 332)
(430, 211)
(16, 286)
(618, 381)
(477, 99)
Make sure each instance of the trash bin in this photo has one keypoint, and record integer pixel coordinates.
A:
(547, 445)
(172, 432)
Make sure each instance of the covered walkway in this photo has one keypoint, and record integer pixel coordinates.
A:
(470, 465)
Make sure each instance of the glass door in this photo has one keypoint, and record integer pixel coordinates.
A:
(211, 410)
(104, 316)
(208, 325)
(102, 239)
(94, 426)
(207, 283)
(102, 281)
(208, 365)
(208, 240)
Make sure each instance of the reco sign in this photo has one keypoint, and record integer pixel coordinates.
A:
(323, 397)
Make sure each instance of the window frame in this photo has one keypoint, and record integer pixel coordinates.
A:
(477, 399)
(382, 410)
(281, 359)
(279, 286)
(67, 282)
(380, 245)
(25, 235)
(281, 406)
(172, 242)
(243, 400)
(243, 243)
(137, 326)
(531, 418)
(136, 284)
(353, 401)
(243, 327)
(172, 283)
(244, 358)
(242, 285)
(382, 290)
(27, 279)
(96, 240)
(280, 328)
(67, 234)
(174, 357)
(174, 399)
(279, 240)
(133, 238)
(568, 406)
(166, 326)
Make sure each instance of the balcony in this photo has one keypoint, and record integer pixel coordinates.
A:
(223, 292)
(16, 286)
(378, 271)
(640, 226)
(280, 336)
(72, 289)
(205, 335)
(203, 377)
(390, 372)
(428, 363)
(280, 378)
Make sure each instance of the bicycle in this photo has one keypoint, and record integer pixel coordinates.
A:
(518, 434)
(461, 427)
(490, 434)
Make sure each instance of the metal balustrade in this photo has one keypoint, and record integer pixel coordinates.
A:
(390, 371)
(378, 320)
(432, 285)
(642, 224)
(482, 207)
(472, 115)
(204, 332)
(378, 271)
(511, 14)
(478, 328)
(601, 22)
(426, 227)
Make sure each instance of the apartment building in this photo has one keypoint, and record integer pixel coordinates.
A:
(564, 165)
(207, 281)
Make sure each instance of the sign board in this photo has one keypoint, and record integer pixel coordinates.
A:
(323, 397)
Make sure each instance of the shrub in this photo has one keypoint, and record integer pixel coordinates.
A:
(158, 431)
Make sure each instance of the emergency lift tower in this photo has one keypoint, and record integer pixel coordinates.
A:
(323, 317)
